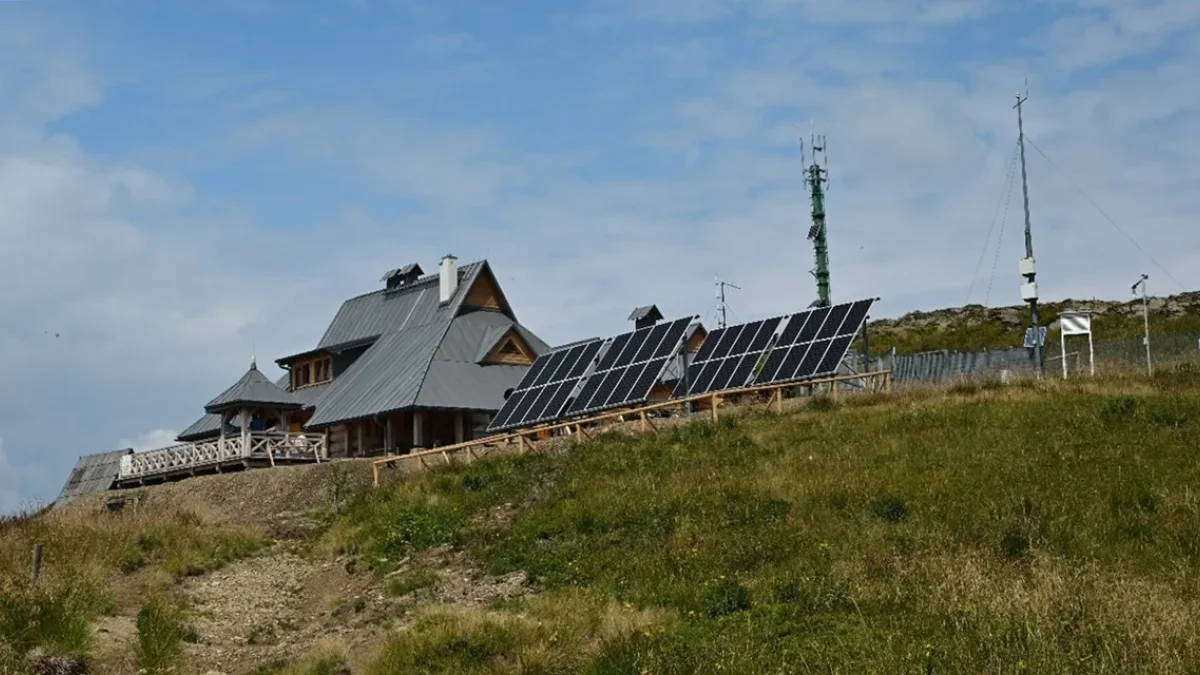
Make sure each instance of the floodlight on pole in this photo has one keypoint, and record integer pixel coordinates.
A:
(1145, 322)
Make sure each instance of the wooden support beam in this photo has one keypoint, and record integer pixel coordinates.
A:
(375, 471)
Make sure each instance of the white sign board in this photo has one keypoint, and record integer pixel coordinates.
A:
(1076, 323)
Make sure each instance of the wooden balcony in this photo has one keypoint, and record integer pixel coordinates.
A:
(256, 449)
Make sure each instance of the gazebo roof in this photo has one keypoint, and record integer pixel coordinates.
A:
(253, 390)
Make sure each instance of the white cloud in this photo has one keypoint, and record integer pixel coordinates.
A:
(151, 440)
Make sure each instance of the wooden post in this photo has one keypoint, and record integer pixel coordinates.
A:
(713, 401)
(375, 471)
(578, 433)
(643, 418)
(270, 452)
(37, 563)
(779, 400)
(521, 444)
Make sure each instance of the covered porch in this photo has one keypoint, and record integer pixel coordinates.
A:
(405, 431)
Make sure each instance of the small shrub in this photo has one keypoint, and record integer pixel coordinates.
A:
(821, 403)
(1015, 544)
(890, 508)
(161, 632)
(1118, 409)
(472, 482)
(53, 619)
(727, 597)
(412, 582)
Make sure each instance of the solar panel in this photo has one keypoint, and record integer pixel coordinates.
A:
(630, 367)
(727, 358)
(546, 387)
(814, 343)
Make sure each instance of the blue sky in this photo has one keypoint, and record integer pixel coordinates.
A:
(184, 183)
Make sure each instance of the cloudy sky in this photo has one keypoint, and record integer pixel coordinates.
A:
(185, 183)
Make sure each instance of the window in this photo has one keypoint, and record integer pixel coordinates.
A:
(510, 348)
(312, 372)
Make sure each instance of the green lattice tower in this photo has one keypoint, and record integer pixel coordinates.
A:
(816, 177)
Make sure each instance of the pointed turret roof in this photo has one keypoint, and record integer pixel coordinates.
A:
(253, 389)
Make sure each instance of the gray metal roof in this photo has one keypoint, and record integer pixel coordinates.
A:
(92, 473)
(253, 389)
(386, 377)
(208, 425)
(457, 379)
(379, 312)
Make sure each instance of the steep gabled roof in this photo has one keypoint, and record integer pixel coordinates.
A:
(92, 473)
(372, 315)
(386, 377)
(253, 389)
(456, 377)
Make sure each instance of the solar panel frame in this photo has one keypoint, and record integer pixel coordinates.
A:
(630, 376)
(547, 386)
(820, 339)
(730, 363)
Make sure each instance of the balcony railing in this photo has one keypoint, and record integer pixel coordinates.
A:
(269, 446)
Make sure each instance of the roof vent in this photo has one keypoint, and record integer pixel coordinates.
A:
(402, 276)
(645, 316)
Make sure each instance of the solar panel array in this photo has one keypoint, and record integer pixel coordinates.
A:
(622, 371)
(630, 367)
(546, 388)
(727, 358)
(814, 343)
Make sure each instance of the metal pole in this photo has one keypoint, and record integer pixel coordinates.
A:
(1033, 303)
(1145, 323)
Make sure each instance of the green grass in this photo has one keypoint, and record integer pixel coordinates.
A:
(975, 328)
(85, 555)
(161, 631)
(989, 529)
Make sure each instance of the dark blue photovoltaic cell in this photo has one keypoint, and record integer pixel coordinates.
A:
(742, 343)
(855, 318)
(792, 329)
(728, 340)
(816, 318)
(774, 360)
(706, 349)
(629, 353)
(837, 351)
(744, 369)
(763, 337)
(834, 323)
(614, 349)
(651, 344)
(554, 360)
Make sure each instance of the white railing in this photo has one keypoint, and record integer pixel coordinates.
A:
(258, 445)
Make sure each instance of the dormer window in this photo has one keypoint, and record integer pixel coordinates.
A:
(510, 348)
(312, 372)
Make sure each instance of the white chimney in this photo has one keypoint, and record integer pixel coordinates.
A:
(449, 277)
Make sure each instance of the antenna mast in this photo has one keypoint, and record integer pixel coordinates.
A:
(721, 286)
(1028, 263)
(816, 178)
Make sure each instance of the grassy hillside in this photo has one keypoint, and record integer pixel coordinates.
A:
(976, 327)
(977, 529)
